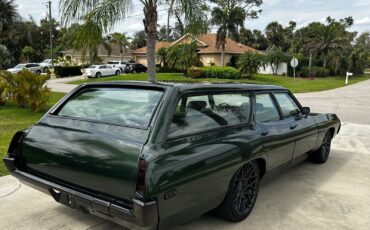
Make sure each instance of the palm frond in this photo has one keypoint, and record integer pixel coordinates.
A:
(105, 13)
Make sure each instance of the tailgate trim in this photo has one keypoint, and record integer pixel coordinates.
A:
(143, 215)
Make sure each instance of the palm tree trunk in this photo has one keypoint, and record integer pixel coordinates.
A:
(121, 52)
(91, 56)
(336, 66)
(168, 24)
(222, 55)
(150, 24)
(325, 62)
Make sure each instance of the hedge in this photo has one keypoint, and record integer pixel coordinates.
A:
(65, 71)
(213, 72)
(315, 71)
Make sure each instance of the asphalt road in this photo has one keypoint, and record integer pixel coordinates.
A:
(307, 196)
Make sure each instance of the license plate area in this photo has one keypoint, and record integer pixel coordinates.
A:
(91, 205)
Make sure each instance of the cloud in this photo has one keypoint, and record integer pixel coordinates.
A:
(363, 21)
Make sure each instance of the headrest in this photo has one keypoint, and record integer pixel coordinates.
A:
(197, 105)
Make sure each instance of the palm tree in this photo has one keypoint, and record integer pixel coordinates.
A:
(120, 40)
(8, 14)
(229, 15)
(326, 39)
(107, 13)
(88, 39)
(5, 57)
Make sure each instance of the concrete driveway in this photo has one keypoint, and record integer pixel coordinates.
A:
(307, 196)
(60, 84)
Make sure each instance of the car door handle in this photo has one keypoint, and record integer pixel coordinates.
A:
(293, 126)
(264, 133)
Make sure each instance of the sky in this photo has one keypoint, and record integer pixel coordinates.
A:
(283, 11)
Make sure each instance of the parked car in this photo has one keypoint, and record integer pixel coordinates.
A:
(135, 68)
(45, 65)
(150, 155)
(32, 67)
(101, 71)
(118, 64)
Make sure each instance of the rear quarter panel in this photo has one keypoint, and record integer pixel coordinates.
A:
(325, 123)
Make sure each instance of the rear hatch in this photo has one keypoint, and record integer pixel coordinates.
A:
(94, 140)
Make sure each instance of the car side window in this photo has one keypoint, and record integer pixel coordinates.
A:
(287, 104)
(266, 110)
(196, 114)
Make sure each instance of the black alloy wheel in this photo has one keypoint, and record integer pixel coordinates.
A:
(321, 155)
(242, 193)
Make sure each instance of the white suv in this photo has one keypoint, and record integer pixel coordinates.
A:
(45, 65)
(118, 64)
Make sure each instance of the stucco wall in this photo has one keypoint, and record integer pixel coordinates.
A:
(282, 69)
(207, 59)
(141, 60)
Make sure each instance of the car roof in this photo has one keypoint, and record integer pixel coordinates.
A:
(189, 87)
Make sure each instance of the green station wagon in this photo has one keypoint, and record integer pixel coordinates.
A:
(151, 155)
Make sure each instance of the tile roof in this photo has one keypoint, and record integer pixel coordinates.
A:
(102, 51)
(206, 45)
(158, 45)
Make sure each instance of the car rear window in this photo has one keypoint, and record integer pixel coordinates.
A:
(122, 106)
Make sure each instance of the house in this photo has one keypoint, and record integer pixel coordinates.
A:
(103, 54)
(281, 69)
(208, 52)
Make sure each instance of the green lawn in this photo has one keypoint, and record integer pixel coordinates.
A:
(301, 85)
(13, 119)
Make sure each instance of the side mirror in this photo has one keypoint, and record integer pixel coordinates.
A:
(306, 110)
(294, 113)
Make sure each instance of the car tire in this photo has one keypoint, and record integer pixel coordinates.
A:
(45, 69)
(98, 75)
(38, 72)
(134, 71)
(241, 195)
(118, 72)
(321, 155)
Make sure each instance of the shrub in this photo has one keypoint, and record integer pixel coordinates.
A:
(27, 89)
(65, 71)
(195, 72)
(249, 63)
(2, 92)
(214, 72)
(182, 57)
(315, 71)
(221, 72)
(274, 57)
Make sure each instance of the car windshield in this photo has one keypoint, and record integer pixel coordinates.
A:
(112, 62)
(121, 106)
(46, 61)
(20, 66)
(92, 67)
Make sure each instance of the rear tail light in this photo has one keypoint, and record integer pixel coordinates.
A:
(140, 185)
(17, 138)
